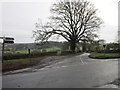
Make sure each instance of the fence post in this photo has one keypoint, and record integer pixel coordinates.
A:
(29, 51)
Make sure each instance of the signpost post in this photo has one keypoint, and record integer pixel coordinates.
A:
(6, 40)
(104, 48)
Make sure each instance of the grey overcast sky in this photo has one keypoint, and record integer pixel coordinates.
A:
(19, 18)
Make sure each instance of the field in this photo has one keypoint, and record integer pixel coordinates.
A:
(25, 51)
(105, 55)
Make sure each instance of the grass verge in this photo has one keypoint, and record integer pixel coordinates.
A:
(20, 63)
(104, 55)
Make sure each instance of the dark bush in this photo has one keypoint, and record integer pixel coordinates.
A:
(66, 52)
(109, 51)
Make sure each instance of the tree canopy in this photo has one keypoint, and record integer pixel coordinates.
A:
(75, 20)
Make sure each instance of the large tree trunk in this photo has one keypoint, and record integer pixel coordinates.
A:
(73, 46)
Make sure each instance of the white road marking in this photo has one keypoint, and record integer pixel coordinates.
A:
(85, 62)
(64, 66)
(82, 61)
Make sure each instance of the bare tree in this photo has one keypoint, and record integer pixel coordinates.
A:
(74, 20)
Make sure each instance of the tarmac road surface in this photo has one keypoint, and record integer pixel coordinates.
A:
(76, 72)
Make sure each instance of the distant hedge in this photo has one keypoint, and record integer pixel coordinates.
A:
(32, 55)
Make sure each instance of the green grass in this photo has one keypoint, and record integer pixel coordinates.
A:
(52, 49)
(17, 51)
(22, 51)
(23, 60)
(105, 55)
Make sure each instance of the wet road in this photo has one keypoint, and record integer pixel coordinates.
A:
(75, 72)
